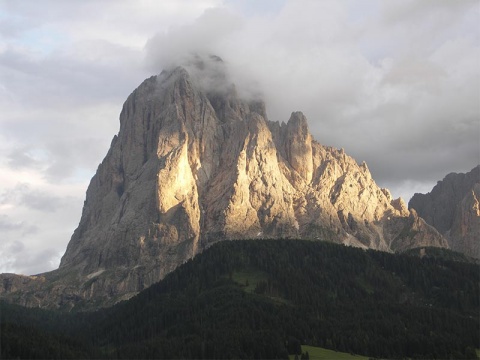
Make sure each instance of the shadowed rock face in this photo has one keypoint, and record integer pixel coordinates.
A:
(452, 207)
(194, 164)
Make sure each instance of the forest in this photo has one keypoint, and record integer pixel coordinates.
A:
(261, 299)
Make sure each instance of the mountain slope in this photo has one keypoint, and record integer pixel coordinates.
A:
(255, 299)
(453, 208)
(193, 164)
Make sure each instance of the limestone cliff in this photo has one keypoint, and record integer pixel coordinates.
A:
(193, 164)
(452, 207)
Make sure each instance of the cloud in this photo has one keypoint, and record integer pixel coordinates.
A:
(35, 225)
(394, 84)
(23, 195)
(22, 158)
(12, 248)
(179, 44)
(6, 226)
(16, 255)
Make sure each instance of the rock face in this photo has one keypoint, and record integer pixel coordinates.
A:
(194, 164)
(452, 207)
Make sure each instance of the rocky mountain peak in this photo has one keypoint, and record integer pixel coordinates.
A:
(194, 163)
(452, 207)
(298, 120)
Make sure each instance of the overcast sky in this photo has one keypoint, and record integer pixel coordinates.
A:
(395, 83)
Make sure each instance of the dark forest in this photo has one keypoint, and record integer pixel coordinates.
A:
(263, 298)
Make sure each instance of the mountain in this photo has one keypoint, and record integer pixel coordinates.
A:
(453, 208)
(261, 299)
(195, 163)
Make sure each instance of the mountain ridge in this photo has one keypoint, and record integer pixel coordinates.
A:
(453, 208)
(193, 164)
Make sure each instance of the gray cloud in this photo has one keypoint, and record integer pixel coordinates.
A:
(68, 156)
(17, 247)
(24, 195)
(7, 226)
(21, 158)
(30, 262)
(83, 74)
(37, 262)
(180, 43)
(36, 229)
(396, 84)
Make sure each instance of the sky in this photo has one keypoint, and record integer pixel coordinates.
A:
(395, 83)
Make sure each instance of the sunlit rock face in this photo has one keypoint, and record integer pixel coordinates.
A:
(452, 207)
(193, 164)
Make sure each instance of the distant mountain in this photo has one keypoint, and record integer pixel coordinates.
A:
(453, 208)
(194, 163)
(262, 299)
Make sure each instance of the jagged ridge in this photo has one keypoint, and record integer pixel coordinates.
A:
(453, 208)
(194, 164)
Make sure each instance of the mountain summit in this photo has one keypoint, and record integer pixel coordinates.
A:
(194, 163)
(453, 208)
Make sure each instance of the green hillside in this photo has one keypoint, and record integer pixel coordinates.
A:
(263, 298)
